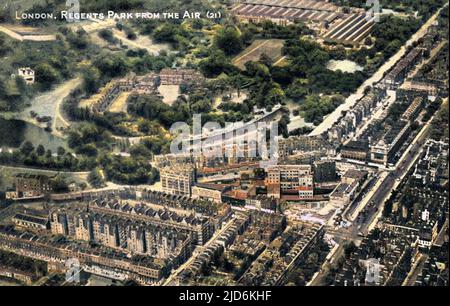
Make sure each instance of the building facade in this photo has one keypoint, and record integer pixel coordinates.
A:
(30, 186)
(177, 180)
(290, 178)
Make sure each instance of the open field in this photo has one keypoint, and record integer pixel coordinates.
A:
(270, 47)
(120, 104)
(344, 66)
(234, 99)
(22, 33)
(49, 104)
(96, 25)
(44, 104)
(282, 62)
(141, 42)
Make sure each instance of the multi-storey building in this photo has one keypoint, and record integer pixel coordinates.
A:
(286, 12)
(357, 150)
(131, 83)
(111, 263)
(261, 202)
(177, 180)
(212, 192)
(400, 70)
(169, 76)
(297, 178)
(350, 184)
(31, 222)
(413, 109)
(30, 186)
(354, 118)
(136, 229)
(385, 148)
(302, 145)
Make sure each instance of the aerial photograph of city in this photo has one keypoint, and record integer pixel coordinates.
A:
(224, 144)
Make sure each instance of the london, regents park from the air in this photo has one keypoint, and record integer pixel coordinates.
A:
(245, 144)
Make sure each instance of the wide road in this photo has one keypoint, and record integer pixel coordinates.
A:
(332, 118)
(370, 214)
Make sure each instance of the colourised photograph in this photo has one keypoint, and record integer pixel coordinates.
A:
(224, 144)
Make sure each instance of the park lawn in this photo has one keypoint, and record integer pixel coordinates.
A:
(120, 104)
(270, 47)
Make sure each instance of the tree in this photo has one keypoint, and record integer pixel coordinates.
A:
(140, 150)
(26, 148)
(87, 149)
(130, 34)
(387, 209)
(108, 35)
(91, 80)
(229, 40)
(297, 90)
(60, 151)
(197, 24)
(4, 46)
(238, 82)
(275, 95)
(59, 184)
(95, 178)
(215, 64)
(171, 33)
(315, 107)
(349, 248)
(46, 75)
(2, 89)
(78, 40)
(283, 123)
(265, 60)
(256, 69)
(112, 65)
(48, 154)
(40, 150)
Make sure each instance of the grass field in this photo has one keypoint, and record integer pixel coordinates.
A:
(270, 47)
(26, 33)
(119, 104)
(141, 42)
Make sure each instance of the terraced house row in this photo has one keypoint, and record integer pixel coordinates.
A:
(138, 229)
(106, 261)
(146, 84)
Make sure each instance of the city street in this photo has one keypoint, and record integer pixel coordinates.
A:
(332, 118)
(374, 203)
